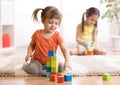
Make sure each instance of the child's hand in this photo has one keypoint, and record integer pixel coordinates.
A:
(67, 65)
(27, 58)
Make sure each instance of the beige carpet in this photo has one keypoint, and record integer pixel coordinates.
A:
(95, 65)
(11, 66)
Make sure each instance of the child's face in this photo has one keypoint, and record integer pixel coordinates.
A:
(51, 25)
(91, 20)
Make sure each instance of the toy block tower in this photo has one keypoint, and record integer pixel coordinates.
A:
(52, 69)
(48, 64)
(89, 50)
(48, 69)
(52, 66)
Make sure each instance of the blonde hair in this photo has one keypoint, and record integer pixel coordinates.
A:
(48, 12)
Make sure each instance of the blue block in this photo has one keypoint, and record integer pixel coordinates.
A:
(89, 44)
(47, 74)
(68, 77)
(48, 69)
(51, 53)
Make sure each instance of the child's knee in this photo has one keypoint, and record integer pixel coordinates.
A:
(100, 52)
(34, 68)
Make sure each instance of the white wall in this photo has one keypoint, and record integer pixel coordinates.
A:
(72, 17)
(24, 25)
(72, 11)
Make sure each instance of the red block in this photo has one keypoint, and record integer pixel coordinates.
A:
(85, 52)
(53, 77)
(60, 79)
(90, 52)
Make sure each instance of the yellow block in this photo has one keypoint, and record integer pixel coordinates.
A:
(63, 73)
(54, 64)
(90, 49)
(85, 52)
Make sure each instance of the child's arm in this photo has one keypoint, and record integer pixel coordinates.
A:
(30, 50)
(78, 39)
(95, 36)
(66, 54)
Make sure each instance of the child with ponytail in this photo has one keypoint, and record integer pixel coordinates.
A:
(86, 33)
(44, 40)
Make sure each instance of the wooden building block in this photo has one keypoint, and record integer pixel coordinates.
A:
(48, 64)
(106, 77)
(60, 79)
(68, 77)
(54, 69)
(53, 77)
(54, 64)
(51, 53)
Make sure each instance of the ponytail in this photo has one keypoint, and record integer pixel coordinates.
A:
(90, 12)
(48, 12)
(83, 22)
(35, 12)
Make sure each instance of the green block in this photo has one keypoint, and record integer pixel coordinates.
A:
(54, 69)
(54, 58)
(106, 77)
(48, 64)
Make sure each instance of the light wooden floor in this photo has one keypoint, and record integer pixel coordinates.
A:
(94, 80)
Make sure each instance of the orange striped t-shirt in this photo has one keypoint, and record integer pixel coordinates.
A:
(43, 45)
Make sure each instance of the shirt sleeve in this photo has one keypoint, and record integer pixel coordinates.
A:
(59, 39)
(34, 36)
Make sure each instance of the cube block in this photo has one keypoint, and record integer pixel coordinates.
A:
(60, 79)
(90, 49)
(47, 74)
(106, 77)
(68, 77)
(54, 58)
(90, 52)
(48, 64)
(48, 69)
(54, 69)
(54, 64)
(53, 77)
(51, 53)
(85, 52)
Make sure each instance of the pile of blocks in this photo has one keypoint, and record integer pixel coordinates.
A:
(52, 69)
(89, 50)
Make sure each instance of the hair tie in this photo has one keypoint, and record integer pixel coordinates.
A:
(86, 11)
(41, 9)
